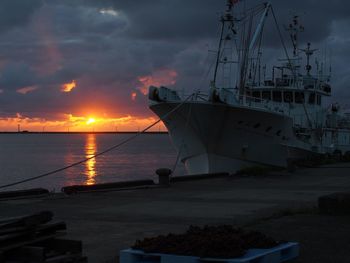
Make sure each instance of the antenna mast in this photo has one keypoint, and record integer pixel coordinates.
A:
(227, 18)
(308, 52)
(294, 29)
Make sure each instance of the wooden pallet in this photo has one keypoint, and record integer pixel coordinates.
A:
(35, 239)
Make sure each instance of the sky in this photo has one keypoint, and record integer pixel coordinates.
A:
(82, 65)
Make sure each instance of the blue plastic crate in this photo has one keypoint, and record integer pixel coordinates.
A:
(281, 253)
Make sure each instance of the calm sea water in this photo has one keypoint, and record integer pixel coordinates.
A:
(26, 155)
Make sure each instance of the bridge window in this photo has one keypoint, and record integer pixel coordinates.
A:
(299, 97)
(319, 100)
(288, 96)
(312, 98)
(266, 95)
(277, 96)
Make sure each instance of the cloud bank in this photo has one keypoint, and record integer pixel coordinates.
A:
(84, 57)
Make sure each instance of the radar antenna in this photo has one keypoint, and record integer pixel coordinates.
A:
(308, 52)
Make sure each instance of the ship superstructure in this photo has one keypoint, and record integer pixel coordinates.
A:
(252, 115)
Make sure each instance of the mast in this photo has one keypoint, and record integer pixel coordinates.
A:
(260, 26)
(227, 18)
(308, 52)
(250, 43)
(245, 57)
(294, 29)
(219, 51)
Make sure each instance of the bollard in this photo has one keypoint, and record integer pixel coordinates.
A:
(164, 176)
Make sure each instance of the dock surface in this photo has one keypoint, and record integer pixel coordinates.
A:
(280, 204)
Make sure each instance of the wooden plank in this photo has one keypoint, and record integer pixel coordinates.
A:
(46, 252)
(73, 189)
(26, 254)
(15, 237)
(50, 228)
(64, 245)
(6, 231)
(31, 233)
(24, 193)
(33, 252)
(30, 241)
(31, 220)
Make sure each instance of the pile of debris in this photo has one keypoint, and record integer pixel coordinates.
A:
(223, 241)
(36, 239)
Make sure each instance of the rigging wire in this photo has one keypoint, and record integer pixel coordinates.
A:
(259, 53)
(248, 15)
(282, 41)
(205, 73)
(100, 153)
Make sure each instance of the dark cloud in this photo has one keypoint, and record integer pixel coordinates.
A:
(15, 76)
(107, 45)
(15, 13)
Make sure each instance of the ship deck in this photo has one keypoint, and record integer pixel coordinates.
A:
(279, 204)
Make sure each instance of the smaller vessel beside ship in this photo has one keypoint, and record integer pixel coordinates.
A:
(251, 116)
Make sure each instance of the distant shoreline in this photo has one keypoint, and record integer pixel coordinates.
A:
(88, 132)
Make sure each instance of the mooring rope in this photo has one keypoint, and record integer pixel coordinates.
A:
(103, 152)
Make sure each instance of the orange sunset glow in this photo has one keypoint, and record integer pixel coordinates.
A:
(68, 87)
(72, 123)
(26, 90)
(90, 121)
(133, 96)
(164, 77)
(90, 165)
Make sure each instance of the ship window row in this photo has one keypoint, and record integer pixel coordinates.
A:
(288, 96)
(268, 129)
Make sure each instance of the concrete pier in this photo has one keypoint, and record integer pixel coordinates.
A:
(280, 204)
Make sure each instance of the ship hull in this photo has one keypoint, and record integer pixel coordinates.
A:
(217, 138)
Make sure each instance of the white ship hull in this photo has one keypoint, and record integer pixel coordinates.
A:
(248, 118)
(216, 138)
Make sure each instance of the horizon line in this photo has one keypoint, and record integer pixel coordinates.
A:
(80, 132)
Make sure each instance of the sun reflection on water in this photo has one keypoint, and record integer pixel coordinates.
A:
(90, 165)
